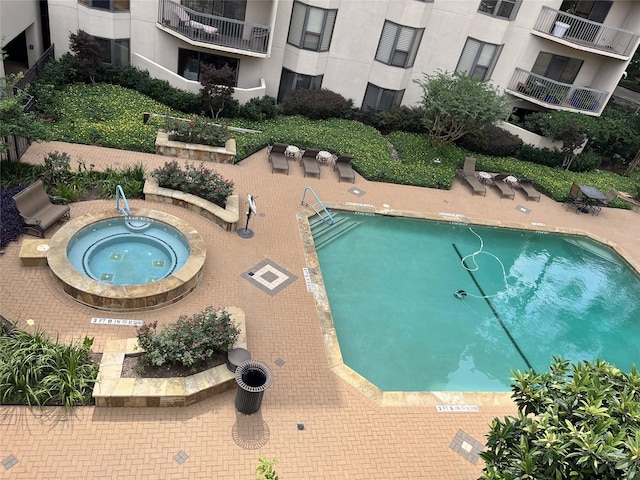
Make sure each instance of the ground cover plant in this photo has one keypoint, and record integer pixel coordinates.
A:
(106, 115)
(36, 370)
(189, 341)
(372, 151)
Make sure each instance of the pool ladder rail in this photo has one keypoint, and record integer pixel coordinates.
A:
(126, 211)
(318, 207)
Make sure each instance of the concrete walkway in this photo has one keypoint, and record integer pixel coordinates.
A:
(317, 425)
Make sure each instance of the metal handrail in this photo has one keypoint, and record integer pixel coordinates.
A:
(329, 218)
(120, 194)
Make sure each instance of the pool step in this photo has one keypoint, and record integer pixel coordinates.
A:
(323, 233)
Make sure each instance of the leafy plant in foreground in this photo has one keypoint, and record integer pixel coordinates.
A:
(580, 422)
(37, 371)
(10, 219)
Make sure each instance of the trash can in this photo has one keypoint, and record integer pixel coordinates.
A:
(560, 29)
(253, 378)
(235, 357)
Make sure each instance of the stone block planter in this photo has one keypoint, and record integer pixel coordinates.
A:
(196, 152)
(227, 217)
(111, 390)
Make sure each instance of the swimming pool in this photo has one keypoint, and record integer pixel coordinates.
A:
(391, 284)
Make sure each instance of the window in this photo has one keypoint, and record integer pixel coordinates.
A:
(500, 8)
(478, 59)
(114, 52)
(558, 68)
(311, 28)
(189, 62)
(235, 9)
(111, 5)
(290, 81)
(378, 98)
(398, 45)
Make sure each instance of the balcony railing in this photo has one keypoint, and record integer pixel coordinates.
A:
(216, 31)
(586, 33)
(544, 91)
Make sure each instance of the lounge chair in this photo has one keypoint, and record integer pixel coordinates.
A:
(278, 159)
(345, 170)
(469, 176)
(505, 190)
(310, 163)
(37, 210)
(526, 185)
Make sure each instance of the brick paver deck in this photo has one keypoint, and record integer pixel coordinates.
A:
(315, 424)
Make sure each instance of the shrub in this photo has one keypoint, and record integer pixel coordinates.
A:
(189, 341)
(57, 168)
(398, 119)
(198, 130)
(130, 178)
(542, 156)
(585, 162)
(580, 421)
(259, 109)
(159, 90)
(34, 370)
(317, 104)
(492, 140)
(10, 219)
(200, 181)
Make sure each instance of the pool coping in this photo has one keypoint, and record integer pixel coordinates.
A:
(325, 318)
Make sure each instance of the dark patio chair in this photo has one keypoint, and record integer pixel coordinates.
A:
(469, 176)
(37, 210)
(505, 190)
(278, 158)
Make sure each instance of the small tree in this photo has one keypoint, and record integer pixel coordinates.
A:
(13, 119)
(217, 86)
(88, 54)
(455, 104)
(578, 422)
(572, 139)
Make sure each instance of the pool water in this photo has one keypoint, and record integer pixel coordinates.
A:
(528, 296)
(128, 252)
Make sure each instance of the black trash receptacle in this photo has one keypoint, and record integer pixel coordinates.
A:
(253, 378)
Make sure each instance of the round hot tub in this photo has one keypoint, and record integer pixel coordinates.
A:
(112, 262)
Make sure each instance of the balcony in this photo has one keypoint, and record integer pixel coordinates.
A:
(211, 31)
(585, 34)
(556, 95)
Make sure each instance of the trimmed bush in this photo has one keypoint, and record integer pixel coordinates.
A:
(542, 156)
(492, 140)
(317, 104)
(259, 109)
(402, 119)
(189, 341)
(199, 181)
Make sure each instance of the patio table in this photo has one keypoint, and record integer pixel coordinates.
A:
(592, 199)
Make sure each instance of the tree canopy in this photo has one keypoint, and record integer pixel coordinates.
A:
(574, 422)
(455, 104)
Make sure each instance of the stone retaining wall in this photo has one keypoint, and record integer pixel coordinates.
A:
(192, 151)
(227, 217)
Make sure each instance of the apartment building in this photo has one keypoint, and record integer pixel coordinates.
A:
(554, 54)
